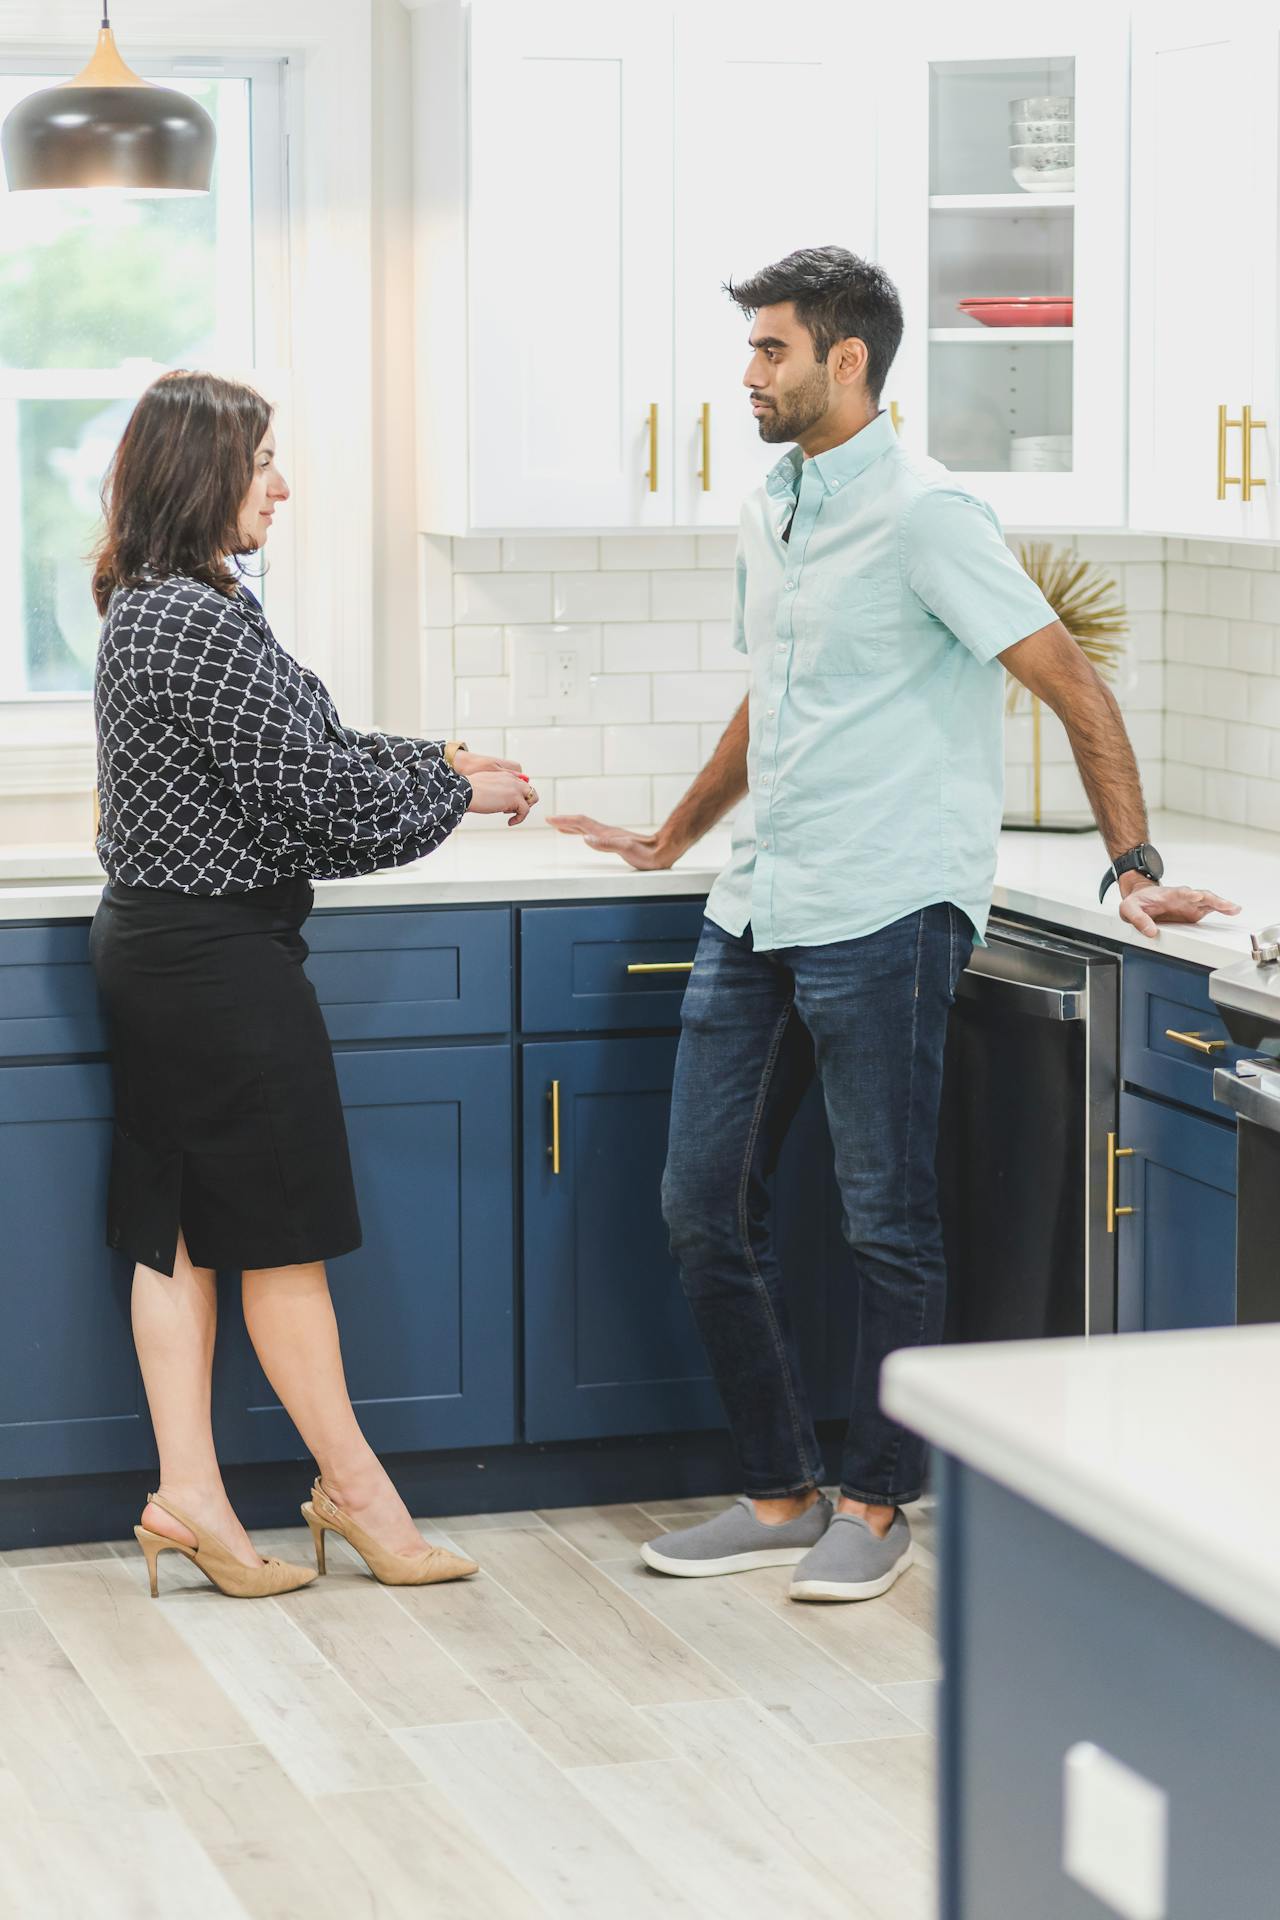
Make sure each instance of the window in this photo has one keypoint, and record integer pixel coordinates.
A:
(99, 294)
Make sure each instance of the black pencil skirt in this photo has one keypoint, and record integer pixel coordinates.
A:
(228, 1120)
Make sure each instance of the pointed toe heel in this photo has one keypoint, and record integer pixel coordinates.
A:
(432, 1567)
(216, 1562)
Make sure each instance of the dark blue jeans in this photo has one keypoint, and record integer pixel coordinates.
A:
(870, 1017)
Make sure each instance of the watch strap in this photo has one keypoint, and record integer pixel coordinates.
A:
(451, 750)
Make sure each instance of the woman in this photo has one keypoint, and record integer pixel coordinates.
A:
(227, 782)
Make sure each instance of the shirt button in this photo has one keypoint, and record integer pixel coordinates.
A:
(765, 845)
(789, 584)
(771, 712)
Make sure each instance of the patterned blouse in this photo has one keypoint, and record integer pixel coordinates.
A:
(223, 765)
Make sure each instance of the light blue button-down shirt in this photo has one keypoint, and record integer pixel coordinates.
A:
(875, 767)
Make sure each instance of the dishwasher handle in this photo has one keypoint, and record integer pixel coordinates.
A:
(1023, 996)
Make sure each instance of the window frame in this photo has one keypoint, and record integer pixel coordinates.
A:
(313, 264)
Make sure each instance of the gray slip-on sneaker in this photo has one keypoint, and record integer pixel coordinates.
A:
(735, 1541)
(850, 1562)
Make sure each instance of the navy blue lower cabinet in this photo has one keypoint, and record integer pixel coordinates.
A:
(71, 1398)
(426, 1306)
(610, 1343)
(1176, 1251)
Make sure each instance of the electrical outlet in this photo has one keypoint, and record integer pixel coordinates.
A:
(551, 672)
(1115, 1833)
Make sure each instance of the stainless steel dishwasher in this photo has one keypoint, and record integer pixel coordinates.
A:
(1248, 995)
(1026, 1150)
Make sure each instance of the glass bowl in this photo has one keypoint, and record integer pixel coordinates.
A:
(1044, 169)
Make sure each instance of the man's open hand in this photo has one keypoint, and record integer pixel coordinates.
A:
(1181, 906)
(645, 851)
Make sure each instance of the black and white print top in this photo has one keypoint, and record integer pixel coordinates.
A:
(223, 765)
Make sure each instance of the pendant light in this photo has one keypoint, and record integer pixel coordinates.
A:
(109, 128)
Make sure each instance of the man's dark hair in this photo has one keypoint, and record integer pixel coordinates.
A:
(837, 296)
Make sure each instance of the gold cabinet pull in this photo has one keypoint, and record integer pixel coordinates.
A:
(1114, 1153)
(1225, 480)
(651, 472)
(1249, 426)
(660, 966)
(1196, 1041)
(704, 471)
(895, 416)
(554, 1149)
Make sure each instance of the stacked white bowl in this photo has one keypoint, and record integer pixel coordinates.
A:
(1042, 149)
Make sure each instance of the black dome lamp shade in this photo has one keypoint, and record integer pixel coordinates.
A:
(108, 128)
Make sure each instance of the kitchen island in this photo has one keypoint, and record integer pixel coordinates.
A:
(504, 1017)
(1110, 1593)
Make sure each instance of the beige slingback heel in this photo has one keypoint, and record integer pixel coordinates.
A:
(217, 1563)
(429, 1568)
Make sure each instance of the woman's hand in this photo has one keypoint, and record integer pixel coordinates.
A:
(503, 792)
(469, 763)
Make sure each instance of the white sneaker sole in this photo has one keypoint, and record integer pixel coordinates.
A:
(731, 1563)
(852, 1589)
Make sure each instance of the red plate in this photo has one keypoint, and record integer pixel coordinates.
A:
(1014, 310)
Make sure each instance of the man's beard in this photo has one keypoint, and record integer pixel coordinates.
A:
(803, 408)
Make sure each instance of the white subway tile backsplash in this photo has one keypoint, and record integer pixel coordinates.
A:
(1142, 587)
(650, 551)
(650, 646)
(1252, 646)
(619, 697)
(710, 734)
(1146, 732)
(550, 553)
(669, 790)
(1183, 787)
(1262, 804)
(1258, 557)
(618, 802)
(1224, 797)
(477, 554)
(651, 749)
(1229, 592)
(1186, 589)
(478, 650)
(1205, 742)
(1264, 700)
(1146, 636)
(717, 549)
(717, 653)
(1118, 549)
(1209, 553)
(1184, 688)
(1226, 695)
(697, 696)
(1250, 749)
(1266, 597)
(483, 702)
(1205, 639)
(435, 579)
(601, 596)
(706, 594)
(481, 599)
(548, 752)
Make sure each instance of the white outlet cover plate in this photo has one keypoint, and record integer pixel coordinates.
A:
(1115, 1833)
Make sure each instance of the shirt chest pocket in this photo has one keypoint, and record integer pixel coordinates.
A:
(841, 626)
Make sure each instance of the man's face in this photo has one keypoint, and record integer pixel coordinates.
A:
(790, 391)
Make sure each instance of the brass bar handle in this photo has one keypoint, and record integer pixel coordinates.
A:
(651, 471)
(554, 1149)
(704, 471)
(1196, 1041)
(660, 966)
(1114, 1153)
(1248, 485)
(1225, 480)
(895, 416)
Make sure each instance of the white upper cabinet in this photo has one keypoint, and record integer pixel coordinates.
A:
(774, 150)
(1011, 264)
(1203, 363)
(588, 177)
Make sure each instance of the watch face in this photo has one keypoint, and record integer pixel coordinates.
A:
(1151, 861)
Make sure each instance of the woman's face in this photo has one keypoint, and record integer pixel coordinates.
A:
(266, 491)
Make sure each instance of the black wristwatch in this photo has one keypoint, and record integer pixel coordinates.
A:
(1143, 859)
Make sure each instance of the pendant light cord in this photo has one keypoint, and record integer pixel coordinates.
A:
(106, 15)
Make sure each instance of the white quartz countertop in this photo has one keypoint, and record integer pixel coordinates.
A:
(1159, 1445)
(1050, 876)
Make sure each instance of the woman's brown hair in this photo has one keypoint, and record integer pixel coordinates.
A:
(173, 492)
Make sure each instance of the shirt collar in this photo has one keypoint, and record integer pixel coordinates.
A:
(839, 464)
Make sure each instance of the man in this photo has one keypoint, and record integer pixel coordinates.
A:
(876, 601)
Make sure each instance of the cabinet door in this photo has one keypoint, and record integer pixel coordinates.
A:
(610, 1343)
(1177, 1249)
(746, 193)
(1204, 132)
(426, 1305)
(570, 264)
(71, 1399)
(1030, 416)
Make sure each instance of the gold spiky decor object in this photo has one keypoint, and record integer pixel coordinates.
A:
(1088, 603)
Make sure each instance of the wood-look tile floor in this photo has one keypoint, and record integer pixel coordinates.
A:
(566, 1734)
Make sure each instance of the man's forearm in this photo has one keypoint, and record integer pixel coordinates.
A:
(719, 786)
(1106, 762)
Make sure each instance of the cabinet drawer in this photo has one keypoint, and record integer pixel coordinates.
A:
(1162, 999)
(574, 965)
(48, 995)
(401, 974)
